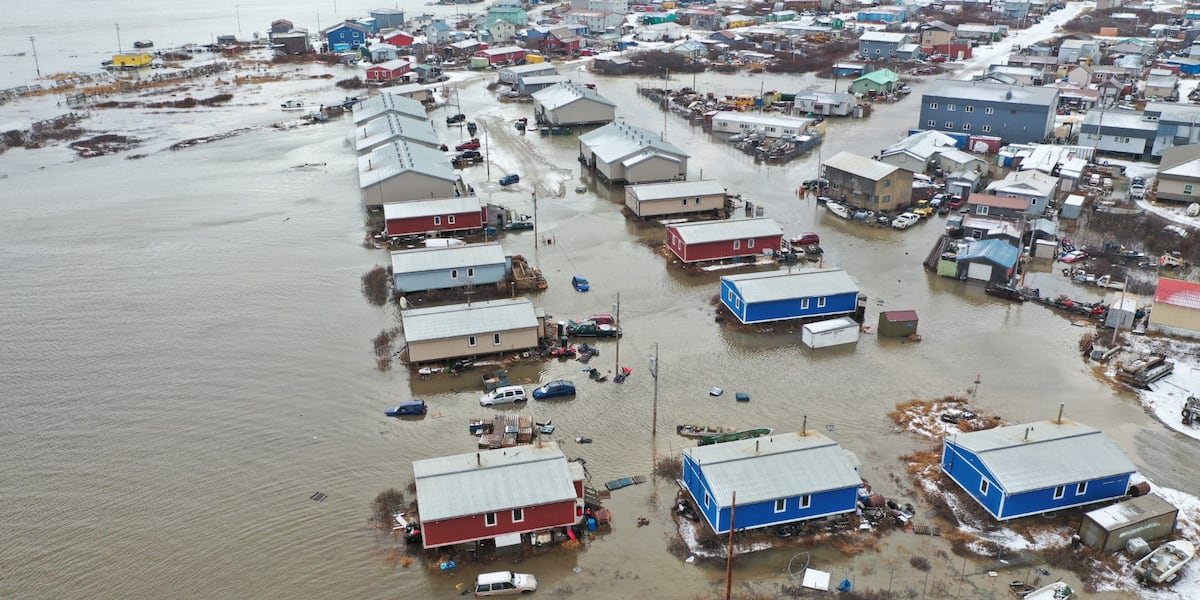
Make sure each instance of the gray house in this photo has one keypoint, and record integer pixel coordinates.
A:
(1072, 52)
(529, 84)
(1015, 114)
(881, 44)
(377, 106)
(449, 267)
(404, 171)
(1035, 188)
(511, 75)
(1119, 132)
(391, 127)
(1177, 124)
(817, 102)
(620, 152)
(572, 104)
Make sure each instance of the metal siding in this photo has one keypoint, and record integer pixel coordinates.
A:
(1176, 317)
(520, 339)
(697, 486)
(440, 279)
(469, 528)
(1040, 501)
(470, 220)
(790, 308)
(407, 186)
(655, 169)
(964, 468)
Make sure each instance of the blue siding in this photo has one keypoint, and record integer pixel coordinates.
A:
(872, 49)
(965, 469)
(436, 280)
(792, 308)
(1013, 123)
(345, 37)
(762, 514)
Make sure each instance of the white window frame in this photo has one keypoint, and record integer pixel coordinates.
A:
(987, 128)
(706, 499)
(988, 110)
(984, 486)
(780, 505)
(968, 108)
(1059, 492)
(518, 515)
(472, 341)
(931, 123)
(949, 124)
(933, 106)
(806, 501)
(950, 108)
(1081, 488)
(730, 294)
(804, 304)
(453, 273)
(966, 126)
(749, 244)
(470, 271)
(737, 244)
(450, 220)
(437, 220)
(821, 302)
(490, 520)
(495, 339)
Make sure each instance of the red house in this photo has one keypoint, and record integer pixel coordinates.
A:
(443, 214)
(388, 71)
(502, 55)
(720, 240)
(561, 39)
(497, 494)
(397, 38)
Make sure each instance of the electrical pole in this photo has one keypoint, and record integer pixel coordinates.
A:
(729, 553)
(36, 66)
(537, 241)
(238, 11)
(120, 49)
(654, 374)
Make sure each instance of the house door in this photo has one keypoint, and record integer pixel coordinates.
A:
(979, 271)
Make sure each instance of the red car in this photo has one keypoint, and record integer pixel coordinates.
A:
(955, 202)
(473, 144)
(587, 52)
(939, 58)
(806, 239)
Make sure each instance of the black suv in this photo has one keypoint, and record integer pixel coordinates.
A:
(459, 118)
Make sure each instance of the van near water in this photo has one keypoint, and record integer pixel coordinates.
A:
(504, 583)
(509, 394)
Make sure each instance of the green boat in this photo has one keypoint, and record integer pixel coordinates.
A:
(735, 436)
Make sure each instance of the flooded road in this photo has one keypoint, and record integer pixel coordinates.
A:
(188, 360)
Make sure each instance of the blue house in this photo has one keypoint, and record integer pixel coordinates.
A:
(444, 267)
(345, 36)
(387, 18)
(777, 479)
(779, 295)
(1017, 114)
(1029, 469)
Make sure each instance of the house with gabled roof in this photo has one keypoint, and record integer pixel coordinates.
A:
(1035, 468)
(1034, 187)
(344, 36)
(703, 241)
(446, 267)
(377, 106)
(917, 152)
(624, 153)
(1179, 174)
(572, 104)
(390, 127)
(401, 171)
(866, 183)
(469, 330)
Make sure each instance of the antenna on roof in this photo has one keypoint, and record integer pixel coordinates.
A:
(1060, 412)
(1027, 430)
(804, 427)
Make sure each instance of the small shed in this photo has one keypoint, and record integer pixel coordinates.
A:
(1122, 310)
(897, 323)
(831, 332)
(1072, 207)
(1108, 529)
(1045, 249)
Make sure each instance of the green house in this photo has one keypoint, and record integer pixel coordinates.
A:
(882, 81)
(513, 14)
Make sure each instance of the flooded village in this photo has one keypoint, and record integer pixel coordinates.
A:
(684, 300)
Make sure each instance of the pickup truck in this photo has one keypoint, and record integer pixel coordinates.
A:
(1106, 281)
(589, 328)
(905, 220)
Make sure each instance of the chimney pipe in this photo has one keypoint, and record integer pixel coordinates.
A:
(1060, 412)
(804, 427)
(756, 446)
(1027, 430)
(478, 460)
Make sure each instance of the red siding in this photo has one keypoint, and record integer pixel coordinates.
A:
(720, 250)
(399, 39)
(467, 529)
(385, 74)
(462, 221)
(500, 58)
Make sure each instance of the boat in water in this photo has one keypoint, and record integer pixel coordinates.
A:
(1007, 292)
(1055, 591)
(735, 436)
(838, 209)
(1164, 563)
(700, 431)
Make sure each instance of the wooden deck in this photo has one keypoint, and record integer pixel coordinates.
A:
(505, 431)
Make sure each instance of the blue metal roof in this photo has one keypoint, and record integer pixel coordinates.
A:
(997, 251)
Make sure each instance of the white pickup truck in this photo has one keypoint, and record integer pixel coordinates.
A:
(905, 220)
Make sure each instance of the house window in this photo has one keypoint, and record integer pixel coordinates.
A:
(471, 272)
(450, 220)
(454, 274)
(950, 108)
(968, 109)
(931, 123)
(706, 499)
(749, 243)
(737, 244)
(685, 202)
(984, 486)
(805, 501)
(949, 124)
(933, 106)
(1059, 492)
(437, 220)
(987, 111)
(781, 505)
(730, 295)
(887, 183)
(966, 126)
(518, 515)
(738, 303)
(987, 128)
(495, 339)
(1187, 189)
(804, 304)
(489, 520)
(471, 341)
(887, 199)
(821, 302)
(1081, 488)
(981, 210)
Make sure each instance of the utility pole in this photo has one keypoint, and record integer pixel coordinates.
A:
(617, 352)
(729, 553)
(238, 11)
(486, 160)
(120, 50)
(36, 66)
(654, 412)
(537, 241)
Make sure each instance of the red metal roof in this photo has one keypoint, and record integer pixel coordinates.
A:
(896, 316)
(1184, 294)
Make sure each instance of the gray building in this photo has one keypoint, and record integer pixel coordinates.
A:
(1119, 132)
(1015, 114)
(572, 104)
(449, 267)
(405, 171)
(817, 102)
(1178, 125)
(387, 18)
(391, 127)
(512, 75)
(530, 84)
(620, 152)
(376, 106)
(881, 44)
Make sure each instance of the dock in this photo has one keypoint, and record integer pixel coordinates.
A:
(503, 431)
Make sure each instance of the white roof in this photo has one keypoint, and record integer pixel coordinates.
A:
(830, 325)
(458, 320)
(560, 95)
(441, 258)
(619, 140)
(992, 92)
(860, 165)
(492, 481)
(502, 50)
(387, 102)
(648, 192)
(777, 466)
(922, 145)
(1134, 510)
(529, 68)
(1025, 182)
(392, 65)
(541, 79)
(398, 157)
(784, 285)
(762, 120)
(716, 231)
(438, 206)
(392, 126)
(1045, 454)
(884, 36)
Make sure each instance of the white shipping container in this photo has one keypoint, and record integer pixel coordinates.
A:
(832, 332)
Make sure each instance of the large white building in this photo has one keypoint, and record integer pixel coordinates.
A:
(620, 152)
(568, 104)
(762, 124)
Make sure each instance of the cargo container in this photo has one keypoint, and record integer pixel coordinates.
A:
(833, 332)
(1108, 529)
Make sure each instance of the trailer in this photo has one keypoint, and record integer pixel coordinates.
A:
(832, 332)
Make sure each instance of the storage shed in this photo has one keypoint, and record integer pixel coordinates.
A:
(1072, 207)
(897, 323)
(1122, 310)
(832, 332)
(1148, 517)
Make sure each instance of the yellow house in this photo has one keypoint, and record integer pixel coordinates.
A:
(1176, 307)
(136, 59)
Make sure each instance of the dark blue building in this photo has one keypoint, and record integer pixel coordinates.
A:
(1016, 114)
(345, 36)
(1023, 470)
(777, 479)
(779, 295)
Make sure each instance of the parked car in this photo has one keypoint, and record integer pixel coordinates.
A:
(554, 389)
(459, 118)
(470, 156)
(1073, 256)
(905, 220)
(407, 409)
(815, 184)
(580, 283)
(472, 144)
(806, 239)
(510, 179)
(587, 52)
(589, 328)
(939, 58)
(504, 583)
(1137, 191)
(938, 200)
(509, 394)
(955, 202)
(923, 209)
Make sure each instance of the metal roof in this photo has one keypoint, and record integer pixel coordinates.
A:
(558, 96)
(881, 76)
(649, 192)
(395, 126)
(784, 285)
(762, 120)
(999, 252)
(830, 325)
(884, 36)
(992, 92)
(457, 320)
(387, 102)
(1118, 119)
(1134, 510)
(442, 258)
(1032, 180)
(437, 206)
(398, 157)
(1180, 162)
(502, 50)
(519, 70)
(619, 140)
(542, 79)
(977, 198)
(717, 231)
(825, 97)
(860, 165)
(899, 316)
(778, 466)
(923, 144)
(492, 481)
(1046, 454)
(1184, 294)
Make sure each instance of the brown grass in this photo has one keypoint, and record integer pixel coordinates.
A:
(669, 467)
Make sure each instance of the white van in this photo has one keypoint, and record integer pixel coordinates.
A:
(508, 394)
(503, 583)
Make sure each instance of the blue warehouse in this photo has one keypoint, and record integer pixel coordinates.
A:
(777, 479)
(1023, 470)
(779, 295)
(1014, 113)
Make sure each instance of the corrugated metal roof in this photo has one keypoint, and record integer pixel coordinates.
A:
(1034, 180)
(619, 140)
(977, 199)
(457, 320)
(716, 231)
(881, 76)
(437, 206)
(1184, 294)
(761, 120)
(1180, 161)
(448, 257)
(861, 166)
(558, 96)
(899, 316)
(923, 144)
(492, 481)
(387, 102)
(784, 285)
(676, 189)
(502, 50)
(519, 70)
(991, 92)
(543, 79)
(395, 126)
(391, 65)
(1134, 510)
(1045, 454)
(884, 36)
(398, 157)
(999, 252)
(778, 466)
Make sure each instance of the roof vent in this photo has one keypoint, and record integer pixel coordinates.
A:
(1008, 95)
